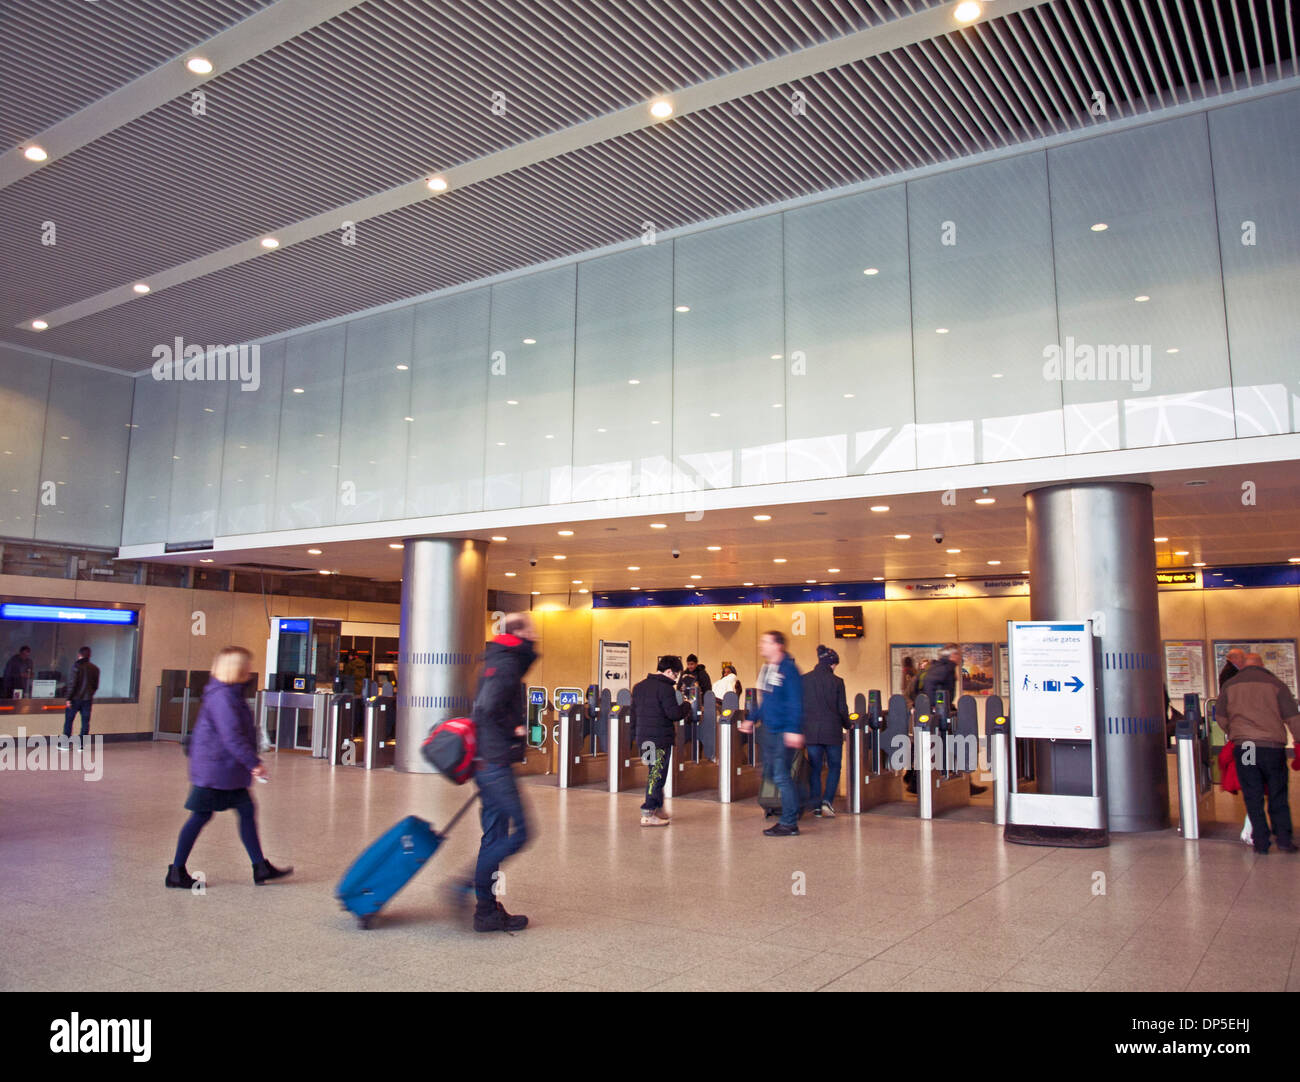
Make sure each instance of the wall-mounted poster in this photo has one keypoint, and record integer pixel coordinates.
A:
(1184, 669)
(1004, 673)
(1279, 658)
(978, 673)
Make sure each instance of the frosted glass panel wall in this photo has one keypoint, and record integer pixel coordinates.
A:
(1145, 290)
(251, 446)
(530, 390)
(1256, 151)
(449, 378)
(983, 311)
(849, 330)
(306, 483)
(24, 388)
(729, 358)
(623, 375)
(87, 429)
(196, 460)
(376, 405)
(149, 464)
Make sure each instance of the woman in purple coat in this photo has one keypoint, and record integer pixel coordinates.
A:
(223, 761)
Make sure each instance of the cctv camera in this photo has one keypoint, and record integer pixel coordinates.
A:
(532, 561)
(938, 537)
(676, 553)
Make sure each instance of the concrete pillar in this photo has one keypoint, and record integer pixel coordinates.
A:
(444, 606)
(1091, 556)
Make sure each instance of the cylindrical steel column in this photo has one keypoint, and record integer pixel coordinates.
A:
(444, 609)
(1091, 556)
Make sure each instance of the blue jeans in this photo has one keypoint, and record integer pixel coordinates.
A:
(81, 706)
(776, 765)
(832, 755)
(501, 811)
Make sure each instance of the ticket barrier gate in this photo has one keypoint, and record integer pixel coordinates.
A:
(740, 773)
(938, 787)
(869, 780)
(996, 735)
(539, 747)
(695, 753)
(581, 762)
(628, 769)
(361, 732)
(1195, 785)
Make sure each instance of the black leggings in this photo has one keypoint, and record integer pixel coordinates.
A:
(198, 820)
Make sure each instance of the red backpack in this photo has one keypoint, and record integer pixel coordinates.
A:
(450, 748)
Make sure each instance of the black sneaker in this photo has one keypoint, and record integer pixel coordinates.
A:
(781, 831)
(498, 920)
(817, 812)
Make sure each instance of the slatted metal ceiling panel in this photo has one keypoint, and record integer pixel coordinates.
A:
(991, 85)
(371, 99)
(61, 55)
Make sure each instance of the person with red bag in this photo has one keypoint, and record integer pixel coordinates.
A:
(499, 711)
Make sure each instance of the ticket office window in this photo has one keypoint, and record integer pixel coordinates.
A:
(55, 633)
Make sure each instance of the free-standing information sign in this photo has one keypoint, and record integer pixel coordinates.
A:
(1054, 697)
(615, 667)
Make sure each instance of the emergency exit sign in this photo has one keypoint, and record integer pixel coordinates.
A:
(732, 617)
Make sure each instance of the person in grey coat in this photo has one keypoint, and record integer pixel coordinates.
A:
(825, 717)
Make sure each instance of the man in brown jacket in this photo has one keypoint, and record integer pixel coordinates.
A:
(1259, 709)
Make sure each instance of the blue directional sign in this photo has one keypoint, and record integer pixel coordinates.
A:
(537, 696)
(567, 697)
(66, 614)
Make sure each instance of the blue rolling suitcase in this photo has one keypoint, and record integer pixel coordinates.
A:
(391, 862)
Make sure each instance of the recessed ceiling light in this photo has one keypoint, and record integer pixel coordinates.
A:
(746, 584)
(324, 572)
(501, 443)
(871, 270)
(658, 525)
(949, 574)
(1172, 349)
(997, 375)
(313, 552)
(941, 330)
(848, 394)
(633, 567)
(952, 552)
(39, 325)
(396, 545)
(199, 65)
(714, 548)
(270, 242)
(877, 578)
(536, 593)
(1100, 227)
(557, 556)
(1293, 559)
(715, 415)
(777, 405)
(602, 430)
(205, 560)
(512, 401)
(775, 357)
(634, 382)
(762, 518)
(1182, 552)
(1158, 540)
(141, 287)
(1141, 298)
(565, 533)
(510, 574)
(779, 560)
(34, 153)
(902, 537)
(880, 507)
(634, 587)
(437, 184)
(994, 563)
(682, 308)
(408, 418)
(986, 500)
(576, 582)
(583, 590)
(530, 341)
(967, 11)
(299, 390)
(403, 367)
(500, 537)
(661, 109)
(697, 576)
(654, 422)
(810, 580)
(1200, 563)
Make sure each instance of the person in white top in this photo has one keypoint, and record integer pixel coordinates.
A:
(728, 681)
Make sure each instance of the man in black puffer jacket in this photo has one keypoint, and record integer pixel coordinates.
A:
(657, 711)
(825, 717)
(499, 714)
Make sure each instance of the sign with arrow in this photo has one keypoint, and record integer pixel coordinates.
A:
(1052, 688)
(615, 660)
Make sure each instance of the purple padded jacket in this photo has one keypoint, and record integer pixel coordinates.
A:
(223, 749)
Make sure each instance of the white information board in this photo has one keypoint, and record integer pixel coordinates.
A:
(615, 659)
(1053, 690)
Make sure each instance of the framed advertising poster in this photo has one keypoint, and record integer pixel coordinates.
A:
(977, 677)
(1185, 669)
(1279, 658)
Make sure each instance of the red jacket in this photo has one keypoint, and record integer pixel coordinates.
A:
(1228, 769)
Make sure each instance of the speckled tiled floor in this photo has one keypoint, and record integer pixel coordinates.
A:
(707, 903)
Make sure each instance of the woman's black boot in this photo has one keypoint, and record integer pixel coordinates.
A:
(264, 871)
(179, 877)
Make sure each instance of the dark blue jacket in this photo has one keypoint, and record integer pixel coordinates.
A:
(223, 749)
(499, 706)
(781, 708)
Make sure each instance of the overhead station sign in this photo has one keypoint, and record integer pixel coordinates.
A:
(1053, 693)
(66, 614)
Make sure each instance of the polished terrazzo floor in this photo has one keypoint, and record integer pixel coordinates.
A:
(708, 903)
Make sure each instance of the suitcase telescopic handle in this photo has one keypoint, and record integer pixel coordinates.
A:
(457, 817)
